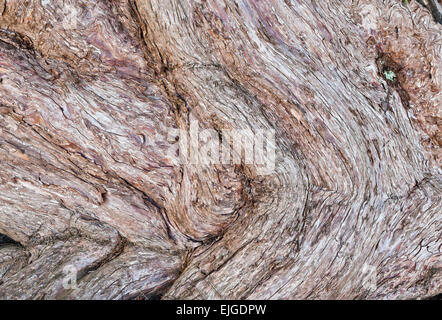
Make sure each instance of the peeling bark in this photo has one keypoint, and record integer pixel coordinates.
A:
(90, 93)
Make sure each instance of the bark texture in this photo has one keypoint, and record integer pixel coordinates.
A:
(89, 90)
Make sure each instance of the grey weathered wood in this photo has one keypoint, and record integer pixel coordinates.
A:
(89, 92)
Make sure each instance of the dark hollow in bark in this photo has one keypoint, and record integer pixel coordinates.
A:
(4, 239)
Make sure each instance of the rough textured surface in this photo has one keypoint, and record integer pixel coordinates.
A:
(89, 92)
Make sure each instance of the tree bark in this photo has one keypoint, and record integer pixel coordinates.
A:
(89, 96)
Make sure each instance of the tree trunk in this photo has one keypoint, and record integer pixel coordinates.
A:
(98, 199)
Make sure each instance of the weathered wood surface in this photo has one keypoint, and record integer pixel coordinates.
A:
(88, 92)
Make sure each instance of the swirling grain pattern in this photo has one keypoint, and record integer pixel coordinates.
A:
(90, 91)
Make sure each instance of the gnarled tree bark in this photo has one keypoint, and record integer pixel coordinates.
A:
(89, 93)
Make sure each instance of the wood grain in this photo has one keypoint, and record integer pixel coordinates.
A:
(90, 91)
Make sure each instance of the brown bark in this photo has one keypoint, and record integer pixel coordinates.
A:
(89, 92)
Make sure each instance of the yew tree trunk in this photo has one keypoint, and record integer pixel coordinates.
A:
(90, 91)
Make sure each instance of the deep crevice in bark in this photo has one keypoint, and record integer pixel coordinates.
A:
(4, 239)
